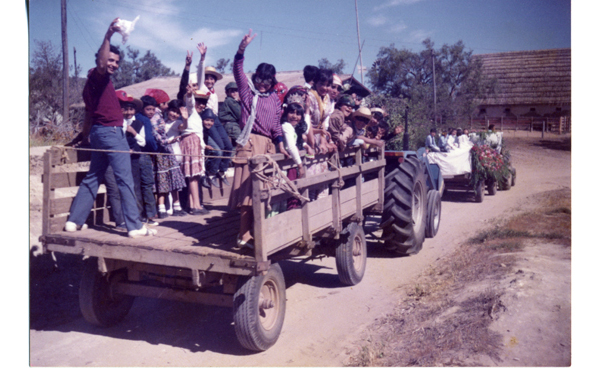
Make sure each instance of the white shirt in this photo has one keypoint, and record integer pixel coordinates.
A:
(140, 137)
(290, 136)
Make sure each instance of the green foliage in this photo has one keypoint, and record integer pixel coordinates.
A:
(408, 77)
(135, 70)
(222, 64)
(337, 68)
(487, 164)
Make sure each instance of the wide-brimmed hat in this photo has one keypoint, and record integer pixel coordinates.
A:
(202, 93)
(159, 95)
(362, 112)
(212, 71)
(126, 98)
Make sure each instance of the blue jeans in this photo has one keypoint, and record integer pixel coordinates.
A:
(114, 198)
(107, 138)
(219, 135)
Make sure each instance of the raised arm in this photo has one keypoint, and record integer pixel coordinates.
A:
(104, 51)
(202, 48)
(185, 76)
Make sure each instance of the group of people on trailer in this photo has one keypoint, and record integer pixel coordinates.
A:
(450, 139)
(176, 146)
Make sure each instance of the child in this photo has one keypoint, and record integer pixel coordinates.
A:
(212, 149)
(209, 76)
(293, 125)
(134, 133)
(230, 112)
(192, 144)
(145, 161)
(169, 178)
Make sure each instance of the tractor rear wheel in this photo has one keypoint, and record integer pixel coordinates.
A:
(404, 211)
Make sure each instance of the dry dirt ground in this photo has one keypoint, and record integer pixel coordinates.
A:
(528, 296)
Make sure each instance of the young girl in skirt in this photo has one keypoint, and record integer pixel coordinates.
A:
(192, 147)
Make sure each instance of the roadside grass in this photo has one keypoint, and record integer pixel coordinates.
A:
(444, 318)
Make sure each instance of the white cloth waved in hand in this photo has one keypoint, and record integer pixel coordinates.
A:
(125, 27)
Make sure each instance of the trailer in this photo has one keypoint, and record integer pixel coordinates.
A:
(195, 259)
(458, 173)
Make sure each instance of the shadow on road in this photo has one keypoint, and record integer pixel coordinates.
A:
(561, 145)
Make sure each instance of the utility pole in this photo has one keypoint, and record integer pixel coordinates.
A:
(359, 47)
(65, 52)
(434, 90)
(75, 69)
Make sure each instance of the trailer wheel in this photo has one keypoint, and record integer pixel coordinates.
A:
(479, 192)
(404, 211)
(98, 304)
(434, 213)
(259, 309)
(351, 255)
(492, 186)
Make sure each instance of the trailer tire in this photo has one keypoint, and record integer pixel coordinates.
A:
(404, 211)
(259, 309)
(479, 191)
(351, 255)
(492, 186)
(99, 306)
(434, 213)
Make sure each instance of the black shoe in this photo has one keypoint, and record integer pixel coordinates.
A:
(162, 215)
(205, 182)
(224, 179)
(178, 213)
(215, 182)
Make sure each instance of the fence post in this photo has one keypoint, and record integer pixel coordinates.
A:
(531, 125)
(543, 127)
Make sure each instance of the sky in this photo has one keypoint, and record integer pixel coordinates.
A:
(292, 34)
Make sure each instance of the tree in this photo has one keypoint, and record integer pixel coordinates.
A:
(409, 77)
(337, 68)
(133, 70)
(222, 64)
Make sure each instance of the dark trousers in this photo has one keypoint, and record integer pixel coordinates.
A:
(218, 134)
(146, 202)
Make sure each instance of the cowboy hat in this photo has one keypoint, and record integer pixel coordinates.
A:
(362, 112)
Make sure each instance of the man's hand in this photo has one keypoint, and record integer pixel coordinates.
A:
(112, 28)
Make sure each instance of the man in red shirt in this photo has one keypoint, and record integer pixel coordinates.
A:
(104, 125)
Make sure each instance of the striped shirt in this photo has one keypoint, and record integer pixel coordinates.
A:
(268, 109)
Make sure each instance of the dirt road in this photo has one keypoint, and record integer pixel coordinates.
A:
(323, 319)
